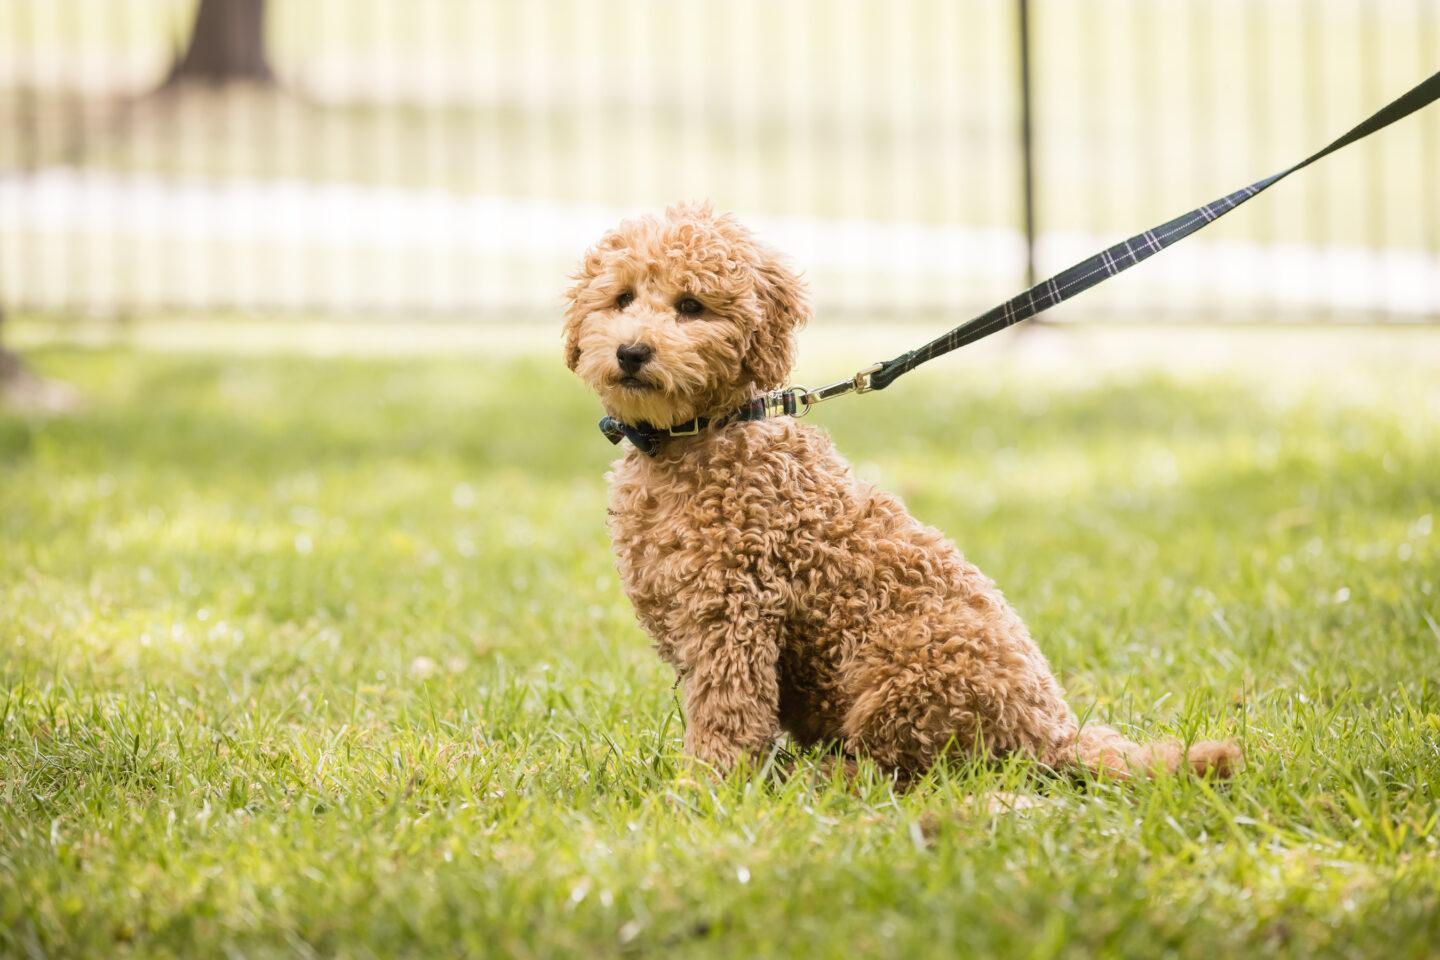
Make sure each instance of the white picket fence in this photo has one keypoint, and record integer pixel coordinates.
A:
(447, 158)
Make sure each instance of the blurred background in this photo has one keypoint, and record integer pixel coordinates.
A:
(453, 158)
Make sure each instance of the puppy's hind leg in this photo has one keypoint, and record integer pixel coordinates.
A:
(1103, 749)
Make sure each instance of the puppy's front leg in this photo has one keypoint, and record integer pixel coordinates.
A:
(732, 688)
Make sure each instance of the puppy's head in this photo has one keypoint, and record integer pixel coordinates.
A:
(681, 316)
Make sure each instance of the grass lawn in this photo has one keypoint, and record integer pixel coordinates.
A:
(309, 655)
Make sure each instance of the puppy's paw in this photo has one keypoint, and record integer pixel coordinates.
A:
(1221, 759)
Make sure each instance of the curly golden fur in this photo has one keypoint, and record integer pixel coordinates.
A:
(789, 595)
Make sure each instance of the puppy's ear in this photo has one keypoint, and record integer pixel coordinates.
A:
(575, 305)
(571, 330)
(591, 282)
(785, 301)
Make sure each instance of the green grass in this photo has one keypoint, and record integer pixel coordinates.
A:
(326, 656)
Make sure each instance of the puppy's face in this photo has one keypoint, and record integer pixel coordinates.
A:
(681, 316)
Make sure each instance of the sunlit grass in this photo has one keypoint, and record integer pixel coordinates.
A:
(327, 656)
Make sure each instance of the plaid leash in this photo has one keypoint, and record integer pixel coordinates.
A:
(1107, 263)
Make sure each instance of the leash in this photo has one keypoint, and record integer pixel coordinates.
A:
(797, 401)
(1107, 263)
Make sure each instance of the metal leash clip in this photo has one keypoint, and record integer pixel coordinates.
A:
(860, 383)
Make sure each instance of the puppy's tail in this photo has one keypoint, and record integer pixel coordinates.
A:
(1103, 749)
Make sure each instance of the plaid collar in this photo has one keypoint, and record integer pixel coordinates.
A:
(647, 439)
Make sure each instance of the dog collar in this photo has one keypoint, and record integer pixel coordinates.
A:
(647, 438)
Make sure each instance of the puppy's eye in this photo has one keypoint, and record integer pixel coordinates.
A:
(624, 300)
(690, 307)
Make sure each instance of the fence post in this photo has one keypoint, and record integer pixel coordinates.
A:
(1027, 151)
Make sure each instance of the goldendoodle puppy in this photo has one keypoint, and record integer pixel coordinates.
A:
(787, 594)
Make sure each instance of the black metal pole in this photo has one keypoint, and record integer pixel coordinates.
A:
(1027, 150)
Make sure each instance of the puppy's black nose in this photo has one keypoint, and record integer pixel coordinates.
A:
(632, 356)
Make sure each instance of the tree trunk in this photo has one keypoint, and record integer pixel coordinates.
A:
(23, 390)
(9, 363)
(227, 43)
